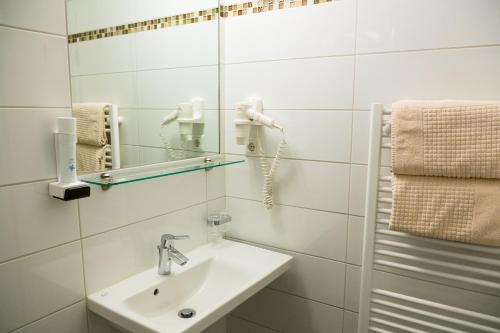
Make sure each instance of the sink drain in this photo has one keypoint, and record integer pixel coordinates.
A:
(187, 313)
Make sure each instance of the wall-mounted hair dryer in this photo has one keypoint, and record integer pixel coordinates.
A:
(249, 114)
(191, 119)
(248, 122)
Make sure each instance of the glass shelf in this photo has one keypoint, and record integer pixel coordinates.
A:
(124, 176)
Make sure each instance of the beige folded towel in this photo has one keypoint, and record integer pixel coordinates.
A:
(464, 210)
(91, 158)
(446, 138)
(90, 123)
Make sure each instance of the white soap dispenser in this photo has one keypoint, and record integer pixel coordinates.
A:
(218, 226)
(67, 186)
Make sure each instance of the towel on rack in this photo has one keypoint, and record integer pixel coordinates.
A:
(91, 158)
(464, 210)
(458, 139)
(91, 122)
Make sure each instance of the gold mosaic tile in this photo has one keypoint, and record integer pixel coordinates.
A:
(240, 9)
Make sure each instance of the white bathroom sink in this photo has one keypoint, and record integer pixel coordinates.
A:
(217, 278)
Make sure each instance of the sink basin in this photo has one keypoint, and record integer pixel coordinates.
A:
(217, 278)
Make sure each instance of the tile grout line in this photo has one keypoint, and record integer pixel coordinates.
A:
(46, 316)
(255, 323)
(34, 31)
(350, 165)
(286, 250)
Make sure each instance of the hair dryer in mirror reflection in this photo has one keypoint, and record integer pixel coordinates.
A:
(191, 121)
(248, 122)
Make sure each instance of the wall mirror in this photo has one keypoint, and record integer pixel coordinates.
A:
(144, 81)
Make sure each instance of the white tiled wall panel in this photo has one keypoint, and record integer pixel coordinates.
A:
(161, 8)
(28, 157)
(297, 183)
(472, 73)
(182, 46)
(313, 278)
(33, 221)
(357, 190)
(115, 255)
(31, 69)
(70, 320)
(169, 87)
(39, 284)
(320, 83)
(350, 322)
(310, 134)
(216, 183)
(105, 55)
(355, 240)
(287, 313)
(116, 88)
(352, 287)
(313, 232)
(85, 15)
(122, 205)
(390, 25)
(250, 38)
(26, 14)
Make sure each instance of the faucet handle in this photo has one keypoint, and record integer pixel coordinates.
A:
(167, 240)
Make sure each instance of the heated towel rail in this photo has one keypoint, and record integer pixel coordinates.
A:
(413, 284)
(113, 133)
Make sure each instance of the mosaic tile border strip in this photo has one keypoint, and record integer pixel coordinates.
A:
(246, 8)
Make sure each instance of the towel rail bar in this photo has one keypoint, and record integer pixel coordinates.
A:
(468, 269)
(441, 263)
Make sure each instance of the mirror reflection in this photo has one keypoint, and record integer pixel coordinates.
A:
(144, 81)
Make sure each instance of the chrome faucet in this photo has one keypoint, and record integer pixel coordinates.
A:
(168, 253)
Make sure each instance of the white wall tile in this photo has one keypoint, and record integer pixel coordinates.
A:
(274, 35)
(118, 88)
(313, 278)
(129, 127)
(216, 183)
(407, 25)
(357, 190)
(33, 221)
(355, 240)
(217, 327)
(98, 324)
(169, 87)
(70, 320)
(321, 83)
(34, 69)
(350, 322)
(39, 284)
(130, 156)
(118, 254)
(159, 8)
(216, 205)
(291, 314)
(28, 157)
(106, 55)
(182, 46)
(444, 74)
(360, 137)
(238, 325)
(297, 183)
(310, 134)
(307, 231)
(122, 205)
(352, 287)
(26, 14)
(85, 15)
